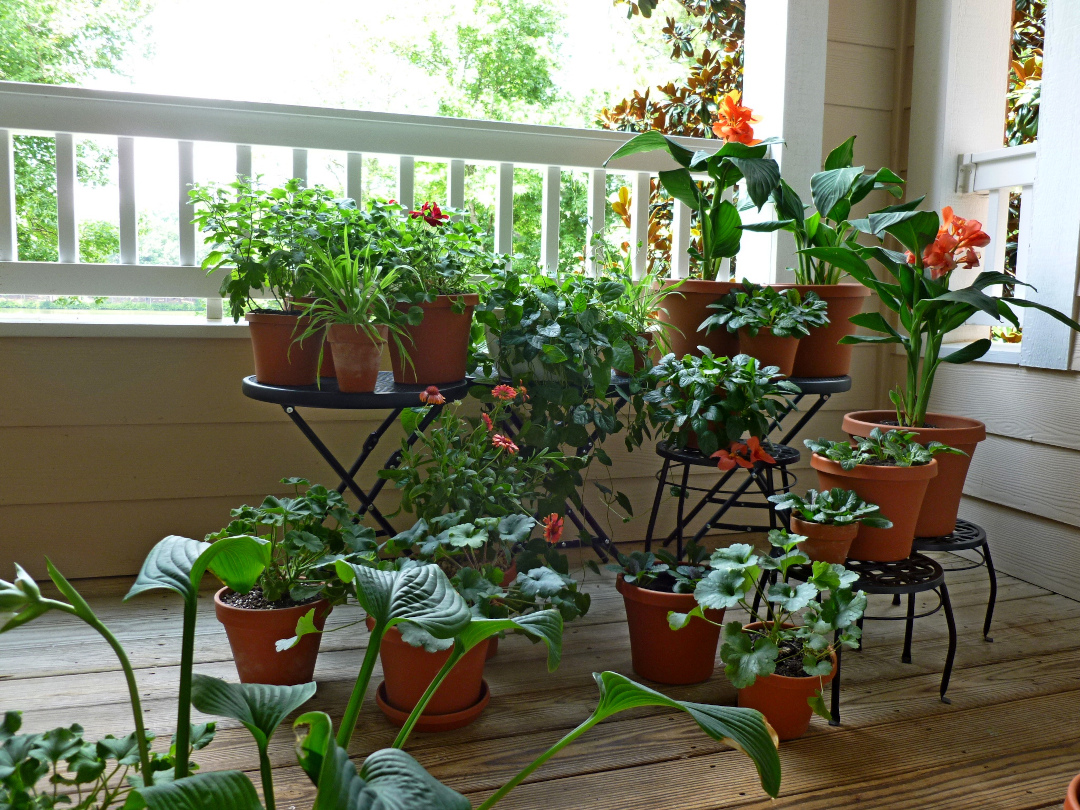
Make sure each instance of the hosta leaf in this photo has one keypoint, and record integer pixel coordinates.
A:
(543, 625)
(178, 564)
(221, 790)
(421, 595)
(260, 707)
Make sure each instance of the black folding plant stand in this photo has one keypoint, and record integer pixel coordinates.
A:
(387, 395)
(762, 475)
(967, 536)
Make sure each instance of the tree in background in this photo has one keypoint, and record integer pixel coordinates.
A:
(62, 43)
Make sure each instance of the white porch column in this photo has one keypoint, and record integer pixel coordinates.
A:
(1055, 228)
(784, 82)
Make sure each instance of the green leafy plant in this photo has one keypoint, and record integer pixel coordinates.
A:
(835, 190)
(717, 218)
(663, 571)
(895, 447)
(785, 313)
(799, 623)
(304, 536)
(716, 399)
(831, 507)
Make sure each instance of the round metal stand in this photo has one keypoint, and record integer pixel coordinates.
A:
(967, 536)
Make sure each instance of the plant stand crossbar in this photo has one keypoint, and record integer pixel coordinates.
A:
(387, 395)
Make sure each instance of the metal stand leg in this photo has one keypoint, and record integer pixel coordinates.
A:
(993, 590)
(909, 624)
(835, 721)
(859, 624)
(679, 517)
(946, 605)
(660, 484)
(896, 600)
(370, 444)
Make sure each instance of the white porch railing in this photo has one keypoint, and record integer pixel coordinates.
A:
(65, 113)
(998, 173)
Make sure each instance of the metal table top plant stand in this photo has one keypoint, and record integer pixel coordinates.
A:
(967, 536)
(387, 395)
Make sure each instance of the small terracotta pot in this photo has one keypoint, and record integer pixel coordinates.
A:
(823, 542)
(509, 575)
(820, 354)
(898, 492)
(326, 367)
(769, 349)
(1072, 798)
(937, 517)
(408, 671)
(254, 633)
(281, 359)
(438, 346)
(783, 699)
(686, 308)
(356, 357)
(659, 653)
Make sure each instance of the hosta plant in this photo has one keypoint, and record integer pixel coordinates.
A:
(894, 447)
(831, 507)
(783, 313)
(801, 627)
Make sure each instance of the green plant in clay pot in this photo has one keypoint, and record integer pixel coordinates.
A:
(829, 520)
(780, 660)
(769, 322)
(890, 469)
(304, 536)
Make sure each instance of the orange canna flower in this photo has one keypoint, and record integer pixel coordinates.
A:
(504, 443)
(742, 455)
(431, 396)
(734, 121)
(553, 528)
(954, 246)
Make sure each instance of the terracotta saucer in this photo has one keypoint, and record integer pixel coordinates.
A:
(434, 722)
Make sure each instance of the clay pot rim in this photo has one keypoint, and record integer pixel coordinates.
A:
(270, 316)
(965, 429)
(1072, 798)
(444, 301)
(218, 603)
(827, 532)
(876, 472)
(434, 722)
(657, 598)
(843, 289)
(351, 333)
(698, 285)
(789, 681)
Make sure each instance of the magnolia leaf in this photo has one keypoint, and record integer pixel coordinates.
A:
(221, 790)
(745, 729)
(421, 595)
(260, 707)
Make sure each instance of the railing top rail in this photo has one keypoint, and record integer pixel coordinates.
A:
(998, 168)
(35, 108)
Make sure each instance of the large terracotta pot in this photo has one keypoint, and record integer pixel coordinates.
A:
(898, 492)
(938, 515)
(326, 367)
(823, 542)
(820, 354)
(769, 349)
(408, 671)
(356, 357)
(659, 653)
(1072, 798)
(438, 346)
(280, 359)
(686, 307)
(253, 635)
(783, 699)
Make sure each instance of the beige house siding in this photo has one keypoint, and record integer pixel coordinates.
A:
(107, 444)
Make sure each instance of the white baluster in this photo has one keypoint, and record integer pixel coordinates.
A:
(549, 223)
(300, 165)
(455, 183)
(129, 219)
(9, 248)
(185, 210)
(354, 176)
(66, 223)
(406, 180)
(597, 214)
(504, 209)
(243, 162)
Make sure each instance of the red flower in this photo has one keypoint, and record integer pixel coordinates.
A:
(735, 120)
(553, 526)
(504, 392)
(504, 443)
(431, 213)
(487, 422)
(954, 245)
(743, 455)
(522, 391)
(431, 396)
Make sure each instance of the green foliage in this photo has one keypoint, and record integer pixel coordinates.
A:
(302, 547)
(831, 507)
(716, 399)
(662, 571)
(895, 447)
(785, 313)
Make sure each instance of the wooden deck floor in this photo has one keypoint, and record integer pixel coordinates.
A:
(1010, 739)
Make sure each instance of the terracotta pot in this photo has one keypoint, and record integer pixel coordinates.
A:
(509, 575)
(769, 349)
(356, 357)
(438, 346)
(1072, 798)
(685, 309)
(823, 542)
(253, 634)
(280, 359)
(820, 354)
(659, 653)
(326, 367)
(938, 515)
(410, 670)
(898, 492)
(783, 699)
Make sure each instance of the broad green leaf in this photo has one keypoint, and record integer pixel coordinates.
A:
(744, 729)
(726, 224)
(973, 351)
(817, 703)
(680, 185)
(746, 659)
(421, 595)
(1053, 313)
(762, 177)
(828, 187)
(305, 626)
(650, 142)
(178, 564)
(260, 707)
(220, 790)
(543, 625)
(842, 156)
(723, 588)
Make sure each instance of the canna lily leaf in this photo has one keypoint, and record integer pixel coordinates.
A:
(828, 187)
(650, 142)
(221, 790)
